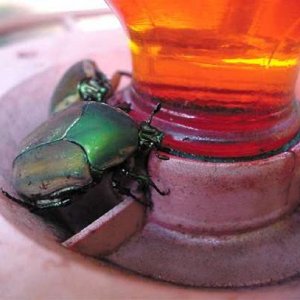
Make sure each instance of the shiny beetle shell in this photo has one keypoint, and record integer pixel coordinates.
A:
(73, 149)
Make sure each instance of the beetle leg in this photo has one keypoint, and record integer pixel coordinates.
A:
(116, 78)
(26, 203)
(127, 192)
(51, 203)
(38, 204)
(144, 181)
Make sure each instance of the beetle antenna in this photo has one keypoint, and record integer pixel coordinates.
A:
(155, 111)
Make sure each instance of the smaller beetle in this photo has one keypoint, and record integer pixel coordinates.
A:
(84, 81)
(77, 146)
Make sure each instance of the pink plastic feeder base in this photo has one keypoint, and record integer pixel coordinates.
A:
(223, 224)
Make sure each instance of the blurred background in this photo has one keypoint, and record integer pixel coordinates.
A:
(25, 19)
(37, 35)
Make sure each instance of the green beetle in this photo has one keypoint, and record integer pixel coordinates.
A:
(76, 147)
(84, 81)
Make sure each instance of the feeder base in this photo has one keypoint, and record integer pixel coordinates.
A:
(263, 256)
(224, 224)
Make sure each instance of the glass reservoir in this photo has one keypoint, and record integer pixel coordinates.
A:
(224, 70)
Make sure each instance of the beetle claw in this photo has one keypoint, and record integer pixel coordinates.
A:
(162, 193)
(144, 181)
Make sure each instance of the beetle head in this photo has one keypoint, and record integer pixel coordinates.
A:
(97, 88)
(149, 136)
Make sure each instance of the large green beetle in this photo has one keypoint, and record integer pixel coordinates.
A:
(78, 145)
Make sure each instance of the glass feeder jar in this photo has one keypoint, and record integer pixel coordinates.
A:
(224, 71)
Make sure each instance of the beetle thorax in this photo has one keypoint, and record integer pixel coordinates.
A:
(149, 137)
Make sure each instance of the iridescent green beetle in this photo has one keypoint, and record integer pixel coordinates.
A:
(84, 81)
(73, 149)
